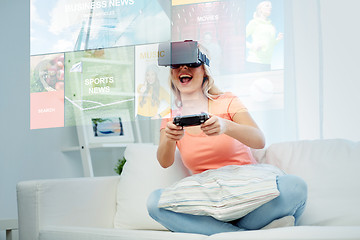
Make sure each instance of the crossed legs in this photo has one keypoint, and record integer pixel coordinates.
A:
(290, 202)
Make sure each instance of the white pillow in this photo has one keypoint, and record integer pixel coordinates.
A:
(141, 175)
(331, 170)
(227, 193)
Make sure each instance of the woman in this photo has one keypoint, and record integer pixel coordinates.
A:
(151, 98)
(263, 39)
(224, 139)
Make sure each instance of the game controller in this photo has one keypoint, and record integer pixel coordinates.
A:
(190, 120)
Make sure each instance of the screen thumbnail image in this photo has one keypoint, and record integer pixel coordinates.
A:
(47, 91)
(98, 81)
(47, 73)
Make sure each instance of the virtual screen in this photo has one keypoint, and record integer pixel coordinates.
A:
(92, 61)
(67, 25)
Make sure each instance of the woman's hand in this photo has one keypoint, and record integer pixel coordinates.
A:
(173, 132)
(168, 137)
(214, 126)
(280, 36)
(242, 128)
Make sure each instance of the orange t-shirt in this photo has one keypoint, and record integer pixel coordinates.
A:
(201, 152)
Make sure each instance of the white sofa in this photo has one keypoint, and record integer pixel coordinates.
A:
(114, 207)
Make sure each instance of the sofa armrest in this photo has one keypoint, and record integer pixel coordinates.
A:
(88, 202)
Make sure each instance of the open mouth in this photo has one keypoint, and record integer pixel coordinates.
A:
(185, 78)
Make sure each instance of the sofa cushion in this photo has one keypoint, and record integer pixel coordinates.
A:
(227, 193)
(141, 175)
(331, 170)
(298, 232)
(85, 233)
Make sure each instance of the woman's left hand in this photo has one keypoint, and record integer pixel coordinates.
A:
(214, 126)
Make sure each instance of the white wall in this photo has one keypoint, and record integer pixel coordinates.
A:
(341, 58)
(306, 67)
(26, 154)
(326, 72)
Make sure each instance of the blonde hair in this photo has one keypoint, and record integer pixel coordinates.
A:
(209, 89)
(258, 11)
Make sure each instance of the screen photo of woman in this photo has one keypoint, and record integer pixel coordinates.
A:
(152, 103)
(262, 37)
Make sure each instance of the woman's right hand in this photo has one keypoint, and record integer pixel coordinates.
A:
(173, 132)
(167, 145)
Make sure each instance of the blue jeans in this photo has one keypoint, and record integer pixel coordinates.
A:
(291, 201)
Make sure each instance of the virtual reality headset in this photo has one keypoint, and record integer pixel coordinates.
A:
(175, 54)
